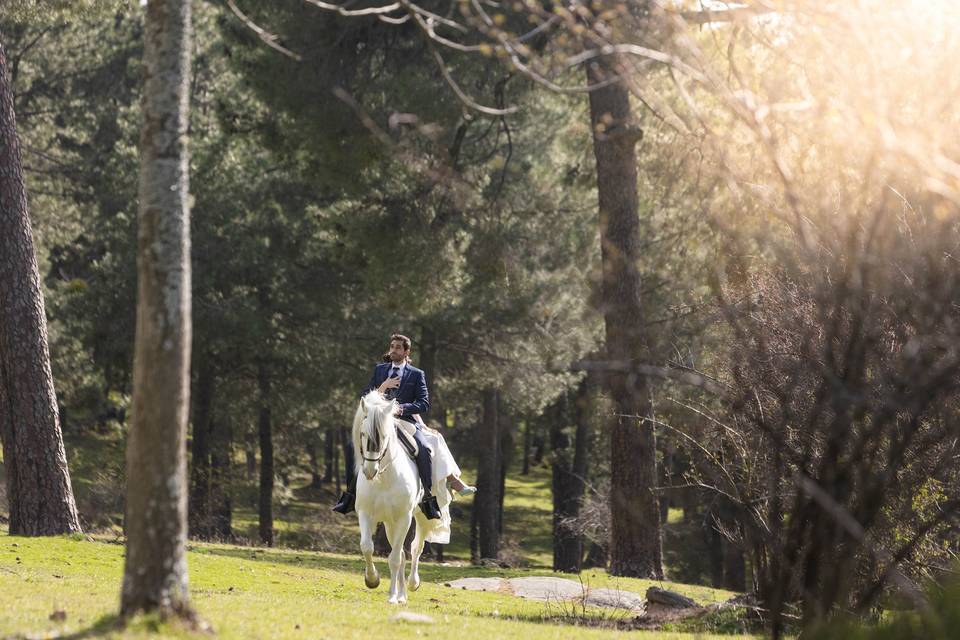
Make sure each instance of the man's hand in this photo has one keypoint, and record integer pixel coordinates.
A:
(389, 383)
(397, 410)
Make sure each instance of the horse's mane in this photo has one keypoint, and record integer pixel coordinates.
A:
(381, 410)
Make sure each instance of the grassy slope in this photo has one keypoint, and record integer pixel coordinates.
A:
(247, 592)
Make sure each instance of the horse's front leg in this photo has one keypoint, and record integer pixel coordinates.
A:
(416, 548)
(367, 527)
(396, 533)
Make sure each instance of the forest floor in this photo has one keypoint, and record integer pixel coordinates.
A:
(69, 587)
(310, 586)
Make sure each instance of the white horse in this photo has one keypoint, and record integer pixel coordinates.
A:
(388, 491)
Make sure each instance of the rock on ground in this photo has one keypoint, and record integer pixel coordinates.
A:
(669, 598)
(614, 599)
(548, 588)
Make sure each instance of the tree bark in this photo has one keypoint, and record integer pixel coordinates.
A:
(582, 411)
(329, 444)
(505, 425)
(39, 491)
(487, 500)
(265, 431)
(635, 546)
(336, 460)
(597, 556)
(569, 471)
(428, 362)
(527, 440)
(316, 480)
(474, 534)
(199, 502)
(567, 548)
(381, 545)
(250, 454)
(734, 568)
(221, 509)
(349, 468)
(155, 569)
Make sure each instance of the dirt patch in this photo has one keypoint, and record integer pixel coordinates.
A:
(628, 610)
(476, 584)
(553, 589)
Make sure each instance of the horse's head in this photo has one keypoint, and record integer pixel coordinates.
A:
(373, 432)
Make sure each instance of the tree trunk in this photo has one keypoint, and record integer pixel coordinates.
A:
(336, 461)
(329, 442)
(428, 362)
(474, 535)
(221, 509)
(583, 410)
(505, 425)
(349, 468)
(569, 471)
(668, 451)
(381, 545)
(734, 568)
(527, 440)
(567, 549)
(714, 540)
(635, 546)
(199, 503)
(265, 431)
(487, 500)
(39, 492)
(155, 569)
(250, 454)
(597, 556)
(316, 479)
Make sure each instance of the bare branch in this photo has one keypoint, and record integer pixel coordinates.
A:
(463, 97)
(855, 530)
(685, 376)
(635, 50)
(268, 38)
(369, 11)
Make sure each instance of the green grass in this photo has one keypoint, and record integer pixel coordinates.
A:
(246, 592)
(302, 588)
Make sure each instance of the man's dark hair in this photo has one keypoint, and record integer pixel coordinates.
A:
(404, 340)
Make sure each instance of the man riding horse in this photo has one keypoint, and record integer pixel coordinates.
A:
(399, 380)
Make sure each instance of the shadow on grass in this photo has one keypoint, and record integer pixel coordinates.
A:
(429, 572)
(732, 621)
(107, 624)
(152, 623)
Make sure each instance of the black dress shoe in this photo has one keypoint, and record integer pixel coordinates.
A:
(430, 507)
(346, 503)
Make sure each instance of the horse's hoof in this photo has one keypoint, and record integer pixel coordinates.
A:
(393, 600)
(372, 583)
(413, 586)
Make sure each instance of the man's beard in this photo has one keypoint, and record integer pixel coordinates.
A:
(398, 359)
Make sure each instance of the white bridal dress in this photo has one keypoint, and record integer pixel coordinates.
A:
(443, 466)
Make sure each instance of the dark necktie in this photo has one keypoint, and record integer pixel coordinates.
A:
(394, 373)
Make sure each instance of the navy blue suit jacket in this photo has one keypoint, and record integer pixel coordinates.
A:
(412, 395)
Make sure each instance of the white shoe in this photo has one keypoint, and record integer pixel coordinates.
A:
(467, 490)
